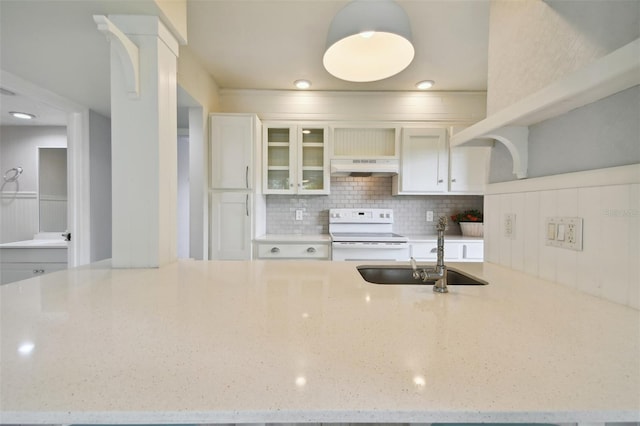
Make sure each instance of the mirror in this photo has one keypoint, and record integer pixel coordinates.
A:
(52, 189)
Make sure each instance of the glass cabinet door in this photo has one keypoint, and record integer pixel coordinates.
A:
(312, 160)
(279, 156)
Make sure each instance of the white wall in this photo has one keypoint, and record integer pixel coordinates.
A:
(19, 148)
(183, 197)
(435, 107)
(608, 200)
(533, 43)
(100, 192)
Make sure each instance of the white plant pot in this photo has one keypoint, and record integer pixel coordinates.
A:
(472, 229)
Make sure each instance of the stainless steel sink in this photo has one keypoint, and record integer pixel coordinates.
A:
(384, 274)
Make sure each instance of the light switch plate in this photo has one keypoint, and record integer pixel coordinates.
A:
(564, 232)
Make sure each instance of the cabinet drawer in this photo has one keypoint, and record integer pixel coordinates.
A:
(16, 271)
(293, 251)
(429, 251)
(474, 251)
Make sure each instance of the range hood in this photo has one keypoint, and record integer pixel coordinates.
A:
(364, 167)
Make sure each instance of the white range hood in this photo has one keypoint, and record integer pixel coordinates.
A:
(364, 167)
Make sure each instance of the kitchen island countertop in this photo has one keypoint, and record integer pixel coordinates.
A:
(298, 341)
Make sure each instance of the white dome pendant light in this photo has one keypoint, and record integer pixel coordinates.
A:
(368, 40)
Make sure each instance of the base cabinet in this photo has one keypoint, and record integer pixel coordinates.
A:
(230, 237)
(287, 250)
(454, 251)
(21, 263)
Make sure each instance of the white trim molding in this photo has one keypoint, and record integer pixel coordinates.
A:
(620, 175)
(8, 195)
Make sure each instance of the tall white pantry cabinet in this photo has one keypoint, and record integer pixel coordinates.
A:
(237, 203)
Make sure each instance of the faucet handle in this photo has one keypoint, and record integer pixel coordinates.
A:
(414, 266)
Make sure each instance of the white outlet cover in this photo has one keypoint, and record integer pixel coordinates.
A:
(510, 225)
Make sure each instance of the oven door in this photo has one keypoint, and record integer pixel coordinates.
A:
(362, 251)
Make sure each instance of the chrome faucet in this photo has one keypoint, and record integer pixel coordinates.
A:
(439, 272)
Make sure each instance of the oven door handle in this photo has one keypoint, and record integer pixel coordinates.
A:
(382, 246)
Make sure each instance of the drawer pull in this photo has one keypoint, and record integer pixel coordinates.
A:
(434, 250)
(38, 271)
(275, 250)
(311, 250)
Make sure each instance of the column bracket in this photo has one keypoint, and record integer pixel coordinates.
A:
(126, 50)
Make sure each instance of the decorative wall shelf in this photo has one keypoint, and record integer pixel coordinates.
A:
(606, 76)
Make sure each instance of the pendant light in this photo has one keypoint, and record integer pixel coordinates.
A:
(368, 40)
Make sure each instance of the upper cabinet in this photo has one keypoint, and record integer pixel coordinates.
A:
(366, 140)
(423, 162)
(232, 150)
(429, 166)
(469, 166)
(296, 158)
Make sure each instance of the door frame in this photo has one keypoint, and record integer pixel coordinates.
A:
(78, 173)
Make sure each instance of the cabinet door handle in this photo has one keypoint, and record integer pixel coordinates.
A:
(275, 250)
(38, 271)
(453, 180)
(440, 180)
(246, 204)
(246, 177)
(311, 250)
(434, 250)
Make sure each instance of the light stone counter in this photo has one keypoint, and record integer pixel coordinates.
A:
(262, 341)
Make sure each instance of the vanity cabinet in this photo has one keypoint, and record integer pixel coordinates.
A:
(296, 158)
(27, 259)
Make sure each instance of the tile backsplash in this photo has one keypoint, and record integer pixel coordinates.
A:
(372, 192)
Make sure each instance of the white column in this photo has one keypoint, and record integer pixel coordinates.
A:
(144, 147)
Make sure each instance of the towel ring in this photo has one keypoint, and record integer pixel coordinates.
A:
(12, 175)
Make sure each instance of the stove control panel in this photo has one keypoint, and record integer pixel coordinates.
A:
(360, 216)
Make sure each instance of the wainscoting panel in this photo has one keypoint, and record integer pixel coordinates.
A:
(608, 201)
(18, 216)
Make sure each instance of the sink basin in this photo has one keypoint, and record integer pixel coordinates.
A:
(382, 274)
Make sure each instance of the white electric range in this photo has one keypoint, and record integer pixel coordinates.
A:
(365, 234)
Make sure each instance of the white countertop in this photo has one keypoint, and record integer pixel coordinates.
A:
(31, 244)
(296, 341)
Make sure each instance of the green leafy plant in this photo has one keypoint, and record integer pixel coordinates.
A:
(467, 216)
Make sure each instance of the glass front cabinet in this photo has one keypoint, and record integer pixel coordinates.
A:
(296, 158)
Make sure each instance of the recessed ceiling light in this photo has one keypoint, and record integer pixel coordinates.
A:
(22, 115)
(426, 84)
(302, 84)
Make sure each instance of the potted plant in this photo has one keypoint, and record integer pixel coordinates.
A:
(470, 222)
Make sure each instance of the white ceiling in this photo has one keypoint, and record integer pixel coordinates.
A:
(245, 44)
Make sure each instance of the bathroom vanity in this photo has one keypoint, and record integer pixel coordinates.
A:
(25, 259)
